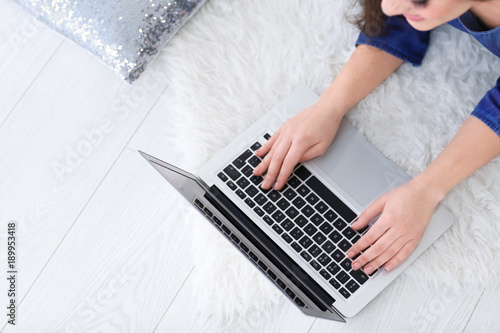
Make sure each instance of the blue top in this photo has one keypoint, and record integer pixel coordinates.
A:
(410, 45)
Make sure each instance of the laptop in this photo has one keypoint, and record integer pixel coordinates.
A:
(298, 236)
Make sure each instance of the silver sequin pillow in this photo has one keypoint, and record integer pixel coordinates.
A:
(124, 34)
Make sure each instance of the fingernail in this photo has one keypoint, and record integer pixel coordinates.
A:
(266, 184)
(277, 185)
(368, 270)
(388, 267)
(356, 266)
(256, 171)
(350, 254)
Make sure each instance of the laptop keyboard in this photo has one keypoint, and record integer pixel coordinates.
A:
(312, 220)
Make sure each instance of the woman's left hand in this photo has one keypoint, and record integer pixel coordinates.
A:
(404, 213)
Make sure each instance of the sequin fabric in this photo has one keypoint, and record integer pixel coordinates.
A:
(125, 34)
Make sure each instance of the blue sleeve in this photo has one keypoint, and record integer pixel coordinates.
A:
(488, 109)
(402, 40)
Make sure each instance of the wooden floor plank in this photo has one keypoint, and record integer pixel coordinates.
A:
(26, 45)
(121, 264)
(59, 143)
(485, 316)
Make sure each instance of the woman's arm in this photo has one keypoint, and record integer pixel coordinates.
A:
(406, 210)
(310, 132)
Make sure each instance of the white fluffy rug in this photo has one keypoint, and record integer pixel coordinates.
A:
(237, 58)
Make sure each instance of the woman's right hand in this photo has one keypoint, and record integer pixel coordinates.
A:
(304, 136)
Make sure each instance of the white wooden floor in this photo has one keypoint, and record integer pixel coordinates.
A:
(99, 246)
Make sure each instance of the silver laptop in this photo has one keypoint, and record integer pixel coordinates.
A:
(298, 236)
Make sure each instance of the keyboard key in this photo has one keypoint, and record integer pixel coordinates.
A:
(331, 199)
(268, 220)
(294, 182)
(310, 229)
(258, 211)
(325, 274)
(271, 274)
(255, 146)
(290, 194)
(335, 237)
(240, 161)
(243, 182)
(321, 207)
(254, 161)
(303, 190)
(315, 250)
(283, 204)
(296, 233)
(319, 238)
(198, 203)
(222, 176)
(346, 264)
(296, 247)
(292, 212)
(317, 219)
(278, 229)
(290, 293)
(249, 202)
(247, 171)
(274, 195)
(301, 221)
(335, 283)
(326, 228)
(352, 286)
(260, 199)
(287, 225)
(287, 238)
(251, 191)
(342, 277)
(331, 215)
(256, 180)
(312, 199)
(305, 255)
(267, 136)
(324, 259)
(269, 207)
(338, 255)
(344, 293)
(235, 239)
(305, 242)
(315, 265)
(299, 202)
(240, 193)
(307, 211)
(349, 233)
(359, 276)
(232, 172)
(328, 247)
(281, 284)
(253, 256)
(344, 245)
(302, 173)
(262, 265)
(339, 224)
(333, 268)
(278, 216)
(244, 247)
(231, 185)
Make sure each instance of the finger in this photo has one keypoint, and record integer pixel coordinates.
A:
(291, 159)
(369, 214)
(266, 147)
(371, 236)
(401, 255)
(378, 248)
(389, 252)
(276, 157)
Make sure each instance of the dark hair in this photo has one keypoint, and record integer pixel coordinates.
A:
(371, 19)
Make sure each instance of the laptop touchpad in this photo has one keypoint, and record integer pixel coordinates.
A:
(358, 167)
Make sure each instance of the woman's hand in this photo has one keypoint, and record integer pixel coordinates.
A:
(404, 213)
(306, 135)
